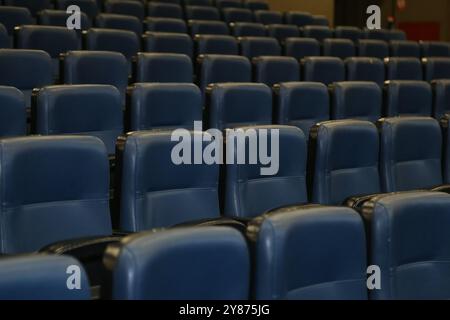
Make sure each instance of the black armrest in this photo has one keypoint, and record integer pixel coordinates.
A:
(444, 188)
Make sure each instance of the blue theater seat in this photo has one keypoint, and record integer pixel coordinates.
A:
(309, 253)
(168, 42)
(252, 47)
(89, 7)
(436, 68)
(377, 34)
(256, 5)
(320, 20)
(33, 5)
(5, 41)
(298, 18)
(268, 17)
(373, 48)
(282, 31)
(56, 188)
(233, 105)
(119, 21)
(351, 33)
(164, 10)
(441, 101)
(205, 3)
(248, 193)
(129, 8)
(96, 67)
(301, 104)
(408, 98)
(222, 4)
(11, 17)
(323, 69)
(59, 18)
(403, 48)
(204, 263)
(25, 70)
(300, 48)
(248, 29)
(13, 112)
(237, 15)
(94, 110)
(156, 192)
(344, 161)
(165, 25)
(340, 48)
(40, 277)
(273, 70)
(163, 67)
(216, 44)
(319, 33)
(223, 68)
(415, 266)
(403, 69)
(444, 121)
(365, 69)
(397, 35)
(163, 106)
(208, 27)
(411, 150)
(434, 49)
(356, 100)
(201, 13)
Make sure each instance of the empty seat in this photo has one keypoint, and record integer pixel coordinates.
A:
(125, 7)
(406, 98)
(119, 21)
(298, 18)
(344, 161)
(13, 112)
(253, 189)
(397, 35)
(40, 277)
(256, 5)
(5, 41)
(59, 18)
(301, 104)
(33, 5)
(165, 25)
(282, 31)
(356, 100)
(237, 15)
(189, 264)
(377, 34)
(159, 191)
(163, 106)
(25, 70)
(323, 69)
(163, 67)
(252, 47)
(56, 189)
(441, 101)
(273, 70)
(201, 13)
(351, 33)
(436, 68)
(321, 251)
(167, 42)
(268, 17)
(223, 68)
(89, 7)
(411, 150)
(365, 69)
(233, 105)
(373, 48)
(221, 4)
(319, 33)
(435, 49)
(403, 69)
(96, 67)
(300, 48)
(198, 3)
(216, 44)
(11, 17)
(94, 110)
(208, 27)
(320, 20)
(403, 48)
(248, 29)
(341, 48)
(164, 10)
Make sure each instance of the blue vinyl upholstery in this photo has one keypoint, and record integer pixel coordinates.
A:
(202, 13)
(163, 67)
(13, 112)
(351, 33)
(319, 33)
(373, 48)
(405, 48)
(248, 29)
(33, 5)
(436, 68)
(216, 44)
(237, 15)
(441, 101)
(298, 18)
(323, 69)
(168, 42)
(406, 98)
(252, 47)
(434, 49)
(365, 69)
(58, 18)
(341, 48)
(11, 17)
(403, 69)
(165, 25)
(87, 6)
(164, 10)
(129, 8)
(273, 70)
(282, 31)
(268, 17)
(300, 48)
(119, 21)
(208, 27)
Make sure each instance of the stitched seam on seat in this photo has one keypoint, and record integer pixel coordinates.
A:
(55, 203)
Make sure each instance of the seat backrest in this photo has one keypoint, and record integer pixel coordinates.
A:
(378, 34)
(252, 47)
(165, 25)
(237, 15)
(119, 21)
(346, 32)
(5, 41)
(89, 7)
(403, 69)
(434, 49)
(11, 17)
(319, 33)
(164, 10)
(406, 98)
(253, 188)
(365, 69)
(441, 101)
(256, 5)
(343, 161)
(129, 8)
(403, 48)
(283, 31)
(300, 48)
(323, 69)
(298, 18)
(13, 112)
(373, 48)
(315, 253)
(33, 5)
(273, 70)
(59, 18)
(163, 67)
(436, 68)
(158, 191)
(168, 42)
(341, 48)
(221, 4)
(320, 20)
(248, 29)
(216, 44)
(208, 27)
(268, 17)
(201, 13)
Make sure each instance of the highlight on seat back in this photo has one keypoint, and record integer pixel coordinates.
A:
(323, 69)
(208, 27)
(11, 17)
(343, 161)
(216, 44)
(33, 5)
(373, 48)
(411, 152)
(268, 17)
(365, 69)
(163, 105)
(238, 104)
(347, 32)
(309, 253)
(341, 48)
(301, 104)
(403, 69)
(119, 21)
(412, 267)
(283, 31)
(237, 15)
(434, 49)
(56, 188)
(165, 25)
(298, 18)
(441, 101)
(163, 67)
(157, 192)
(168, 42)
(273, 70)
(50, 17)
(300, 48)
(129, 8)
(203, 263)
(201, 13)
(40, 277)
(319, 33)
(252, 47)
(164, 10)
(436, 68)
(255, 188)
(13, 112)
(408, 98)
(248, 29)
(405, 48)
(94, 110)
(87, 6)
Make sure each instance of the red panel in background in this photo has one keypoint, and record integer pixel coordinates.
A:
(427, 31)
